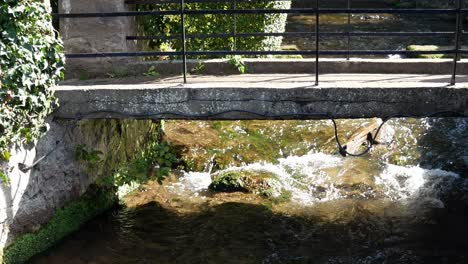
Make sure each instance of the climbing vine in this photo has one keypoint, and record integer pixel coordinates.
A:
(31, 61)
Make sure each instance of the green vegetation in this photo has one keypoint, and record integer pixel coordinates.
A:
(425, 48)
(233, 143)
(4, 178)
(237, 63)
(117, 74)
(198, 68)
(209, 24)
(271, 200)
(31, 61)
(151, 72)
(154, 162)
(90, 157)
(129, 151)
(229, 182)
(132, 153)
(64, 221)
(242, 181)
(285, 196)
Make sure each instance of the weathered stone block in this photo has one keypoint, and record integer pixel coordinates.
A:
(94, 35)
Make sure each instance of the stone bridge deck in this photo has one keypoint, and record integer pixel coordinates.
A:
(265, 96)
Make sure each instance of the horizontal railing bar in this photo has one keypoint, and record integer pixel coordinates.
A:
(258, 12)
(303, 33)
(117, 14)
(253, 53)
(162, 2)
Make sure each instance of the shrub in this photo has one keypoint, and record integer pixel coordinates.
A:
(154, 162)
(208, 24)
(31, 61)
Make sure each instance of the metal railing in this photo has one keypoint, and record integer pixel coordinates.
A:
(458, 32)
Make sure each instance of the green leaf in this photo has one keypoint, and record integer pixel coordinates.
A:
(4, 178)
(31, 62)
(6, 155)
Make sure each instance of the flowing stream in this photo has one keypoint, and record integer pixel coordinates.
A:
(405, 202)
(367, 23)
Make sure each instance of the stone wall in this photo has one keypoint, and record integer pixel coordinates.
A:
(95, 35)
(34, 195)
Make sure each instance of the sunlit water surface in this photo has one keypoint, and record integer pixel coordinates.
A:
(406, 202)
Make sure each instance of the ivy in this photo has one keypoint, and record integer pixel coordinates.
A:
(31, 61)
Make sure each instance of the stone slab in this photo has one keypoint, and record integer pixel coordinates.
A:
(264, 96)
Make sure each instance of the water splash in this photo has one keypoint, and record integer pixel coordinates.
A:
(319, 177)
(406, 182)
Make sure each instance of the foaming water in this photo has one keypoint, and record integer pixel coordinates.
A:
(413, 182)
(319, 177)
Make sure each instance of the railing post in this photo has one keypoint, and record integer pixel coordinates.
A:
(184, 48)
(459, 25)
(317, 44)
(234, 6)
(349, 30)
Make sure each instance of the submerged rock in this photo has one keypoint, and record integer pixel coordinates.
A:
(242, 181)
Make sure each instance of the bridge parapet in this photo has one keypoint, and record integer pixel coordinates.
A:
(264, 96)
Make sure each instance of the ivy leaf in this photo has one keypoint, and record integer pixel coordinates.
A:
(4, 178)
(6, 155)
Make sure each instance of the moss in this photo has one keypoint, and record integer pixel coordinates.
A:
(267, 193)
(229, 182)
(119, 141)
(243, 181)
(65, 221)
(285, 196)
(234, 143)
(104, 147)
(425, 48)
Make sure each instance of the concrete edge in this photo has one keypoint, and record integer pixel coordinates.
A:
(267, 65)
(257, 103)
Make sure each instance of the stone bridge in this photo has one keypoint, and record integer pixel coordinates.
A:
(276, 89)
(98, 45)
